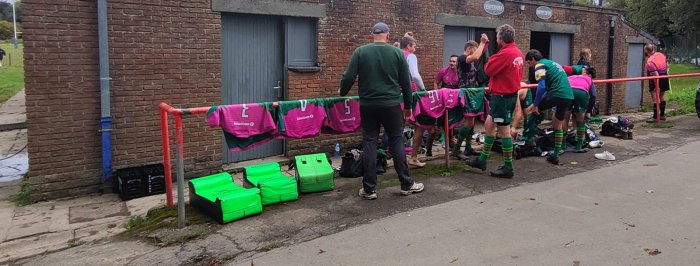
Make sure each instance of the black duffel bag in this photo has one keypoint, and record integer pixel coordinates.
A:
(349, 167)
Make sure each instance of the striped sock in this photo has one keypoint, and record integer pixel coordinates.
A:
(580, 135)
(486, 151)
(508, 152)
(558, 139)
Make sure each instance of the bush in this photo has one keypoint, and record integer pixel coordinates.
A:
(5, 30)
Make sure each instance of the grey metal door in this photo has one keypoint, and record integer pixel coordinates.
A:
(455, 37)
(252, 65)
(560, 48)
(633, 89)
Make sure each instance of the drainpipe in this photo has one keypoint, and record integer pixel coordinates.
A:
(611, 48)
(106, 116)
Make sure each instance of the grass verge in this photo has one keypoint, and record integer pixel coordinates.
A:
(682, 95)
(12, 71)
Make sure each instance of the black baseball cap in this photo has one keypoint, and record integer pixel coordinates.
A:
(380, 28)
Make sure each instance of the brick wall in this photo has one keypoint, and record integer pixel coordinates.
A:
(170, 51)
(156, 54)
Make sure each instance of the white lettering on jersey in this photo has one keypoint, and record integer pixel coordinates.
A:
(518, 62)
(243, 114)
(434, 96)
(303, 105)
(347, 106)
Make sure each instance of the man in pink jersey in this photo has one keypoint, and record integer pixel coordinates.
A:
(657, 66)
(584, 96)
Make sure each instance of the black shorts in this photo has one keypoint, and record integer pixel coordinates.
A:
(429, 121)
(664, 85)
(561, 104)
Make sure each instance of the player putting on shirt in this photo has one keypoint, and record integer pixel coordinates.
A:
(584, 98)
(553, 90)
(505, 69)
(467, 68)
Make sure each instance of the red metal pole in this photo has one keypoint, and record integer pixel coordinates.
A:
(447, 140)
(166, 157)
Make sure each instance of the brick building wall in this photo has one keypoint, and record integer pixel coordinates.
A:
(169, 51)
(156, 54)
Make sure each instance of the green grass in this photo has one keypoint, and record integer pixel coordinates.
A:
(12, 71)
(682, 94)
(162, 217)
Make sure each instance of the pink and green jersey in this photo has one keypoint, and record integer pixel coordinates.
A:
(343, 115)
(581, 82)
(245, 126)
(301, 118)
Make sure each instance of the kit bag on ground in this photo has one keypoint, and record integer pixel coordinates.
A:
(352, 167)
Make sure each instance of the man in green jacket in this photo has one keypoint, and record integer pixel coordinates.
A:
(384, 81)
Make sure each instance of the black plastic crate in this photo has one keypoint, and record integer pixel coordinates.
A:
(136, 182)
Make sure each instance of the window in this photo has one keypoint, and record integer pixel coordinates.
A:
(301, 43)
(455, 37)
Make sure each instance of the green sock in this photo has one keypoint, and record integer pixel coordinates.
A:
(460, 138)
(580, 135)
(508, 152)
(468, 138)
(558, 139)
(488, 143)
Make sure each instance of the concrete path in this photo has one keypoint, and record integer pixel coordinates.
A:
(55, 225)
(641, 212)
(14, 161)
(14, 110)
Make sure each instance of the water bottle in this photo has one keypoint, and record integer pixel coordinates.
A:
(336, 150)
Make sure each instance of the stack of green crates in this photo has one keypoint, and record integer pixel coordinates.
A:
(274, 186)
(314, 172)
(219, 197)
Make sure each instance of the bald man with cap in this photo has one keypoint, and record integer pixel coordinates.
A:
(384, 83)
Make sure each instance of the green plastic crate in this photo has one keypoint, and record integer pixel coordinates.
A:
(314, 172)
(274, 186)
(220, 198)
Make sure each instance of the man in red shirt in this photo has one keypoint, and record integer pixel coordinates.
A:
(505, 69)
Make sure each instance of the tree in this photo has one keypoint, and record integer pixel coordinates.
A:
(5, 30)
(6, 11)
(685, 15)
(651, 15)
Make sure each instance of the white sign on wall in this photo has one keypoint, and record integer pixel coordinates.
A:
(544, 12)
(494, 7)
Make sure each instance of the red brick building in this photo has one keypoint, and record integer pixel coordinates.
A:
(192, 53)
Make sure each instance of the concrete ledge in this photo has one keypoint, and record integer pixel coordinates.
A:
(552, 27)
(270, 7)
(636, 39)
(470, 21)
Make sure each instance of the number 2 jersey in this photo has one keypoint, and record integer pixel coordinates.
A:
(245, 126)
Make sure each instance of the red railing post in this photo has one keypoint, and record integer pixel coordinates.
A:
(166, 157)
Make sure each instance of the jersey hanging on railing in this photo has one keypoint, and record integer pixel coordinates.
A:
(343, 115)
(301, 118)
(474, 101)
(454, 102)
(427, 106)
(245, 126)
